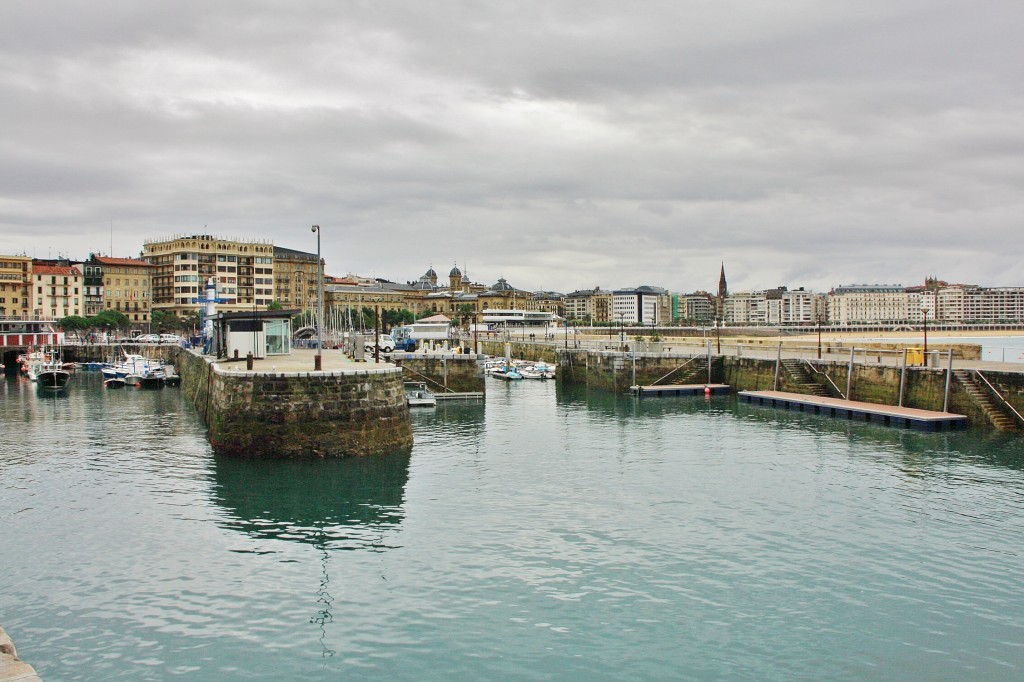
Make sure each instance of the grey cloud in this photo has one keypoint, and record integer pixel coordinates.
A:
(563, 145)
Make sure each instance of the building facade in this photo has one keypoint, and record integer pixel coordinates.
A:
(242, 270)
(56, 291)
(120, 284)
(15, 280)
(295, 278)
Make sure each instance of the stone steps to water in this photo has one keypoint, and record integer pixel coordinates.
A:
(984, 399)
(803, 380)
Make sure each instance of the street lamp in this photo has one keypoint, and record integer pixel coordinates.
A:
(318, 362)
(622, 331)
(819, 336)
(924, 313)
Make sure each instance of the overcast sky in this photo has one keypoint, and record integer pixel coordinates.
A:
(559, 144)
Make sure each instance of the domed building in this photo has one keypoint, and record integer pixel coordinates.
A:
(455, 279)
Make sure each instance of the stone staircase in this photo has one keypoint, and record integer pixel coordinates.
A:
(983, 398)
(797, 372)
(696, 372)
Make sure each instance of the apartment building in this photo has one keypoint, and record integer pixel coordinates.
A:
(295, 278)
(15, 279)
(121, 284)
(695, 308)
(643, 305)
(56, 291)
(873, 303)
(243, 271)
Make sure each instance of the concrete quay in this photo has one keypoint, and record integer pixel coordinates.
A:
(12, 668)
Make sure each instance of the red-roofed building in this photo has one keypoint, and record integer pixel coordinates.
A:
(56, 291)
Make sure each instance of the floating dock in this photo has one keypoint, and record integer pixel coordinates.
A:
(680, 389)
(466, 395)
(926, 420)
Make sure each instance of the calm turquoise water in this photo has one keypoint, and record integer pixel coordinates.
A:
(546, 535)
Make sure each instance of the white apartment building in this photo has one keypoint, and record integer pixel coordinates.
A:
(774, 307)
(57, 291)
(640, 306)
(970, 303)
(873, 303)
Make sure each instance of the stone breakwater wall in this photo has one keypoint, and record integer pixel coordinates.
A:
(443, 372)
(283, 415)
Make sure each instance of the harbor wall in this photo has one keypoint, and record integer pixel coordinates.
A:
(924, 388)
(286, 415)
(105, 352)
(443, 372)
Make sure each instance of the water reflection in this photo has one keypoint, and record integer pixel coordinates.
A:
(917, 449)
(334, 504)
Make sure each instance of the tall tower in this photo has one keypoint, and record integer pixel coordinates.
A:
(723, 291)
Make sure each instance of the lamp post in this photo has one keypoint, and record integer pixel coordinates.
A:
(318, 362)
(376, 332)
(622, 330)
(924, 313)
(718, 337)
(819, 336)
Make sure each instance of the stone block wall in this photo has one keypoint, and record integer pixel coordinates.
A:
(443, 373)
(299, 415)
(924, 387)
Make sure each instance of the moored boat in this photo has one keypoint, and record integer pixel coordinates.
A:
(418, 395)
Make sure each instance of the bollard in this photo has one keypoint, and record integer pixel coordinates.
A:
(236, 354)
(317, 362)
(248, 360)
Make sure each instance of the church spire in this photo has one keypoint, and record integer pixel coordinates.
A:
(723, 292)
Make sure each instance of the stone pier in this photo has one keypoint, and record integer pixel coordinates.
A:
(283, 409)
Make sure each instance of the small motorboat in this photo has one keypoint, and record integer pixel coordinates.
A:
(113, 382)
(418, 395)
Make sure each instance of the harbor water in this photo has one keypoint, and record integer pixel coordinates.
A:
(543, 534)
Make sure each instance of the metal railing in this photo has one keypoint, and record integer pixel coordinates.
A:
(827, 377)
(999, 395)
(660, 379)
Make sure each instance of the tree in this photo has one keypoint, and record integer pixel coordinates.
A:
(72, 324)
(162, 322)
(109, 319)
(397, 318)
(275, 305)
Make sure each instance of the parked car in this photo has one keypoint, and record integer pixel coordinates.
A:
(386, 344)
(148, 338)
(170, 338)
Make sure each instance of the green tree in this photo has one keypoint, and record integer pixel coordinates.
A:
(73, 324)
(397, 318)
(161, 322)
(275, 305)
(110, 319)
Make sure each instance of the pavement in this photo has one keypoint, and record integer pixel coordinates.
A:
(303, 360)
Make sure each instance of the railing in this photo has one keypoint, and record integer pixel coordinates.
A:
(656, 381)
(999, 395)
(827, 377)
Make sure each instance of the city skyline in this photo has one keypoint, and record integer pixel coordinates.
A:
(442, 276)
(558, 146)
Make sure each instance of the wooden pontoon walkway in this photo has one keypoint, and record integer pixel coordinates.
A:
(852, 409)
(679, 389)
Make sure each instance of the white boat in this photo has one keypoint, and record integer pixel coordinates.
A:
(418, 395)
